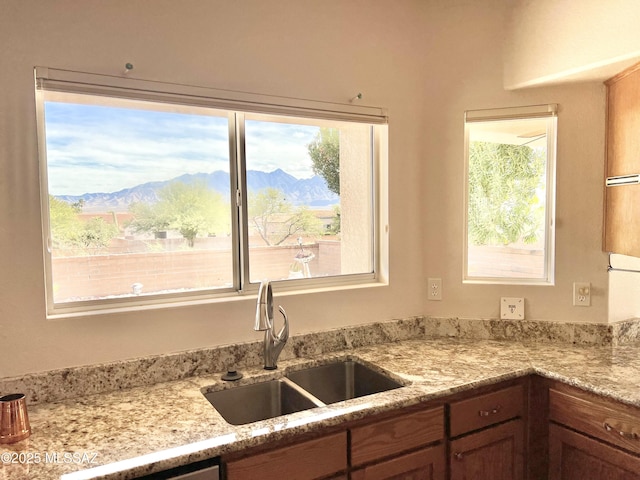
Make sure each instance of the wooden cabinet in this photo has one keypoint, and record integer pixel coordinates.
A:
(424, 464)
(378, 448)
(488, 436)
(492, 454)
(573, 456)
(408, 446)
(622, 203)
(318, 458)
(484, 410)
(534, 429)
(596, 417)
(592, 437)
(375, 441)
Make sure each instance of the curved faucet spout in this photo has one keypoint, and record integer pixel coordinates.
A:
(264, 307)
(273, 342)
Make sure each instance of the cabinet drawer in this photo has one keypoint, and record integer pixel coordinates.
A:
(388, 437)
(598, 418)
(312, 459)
(484, 410)
(427, 463)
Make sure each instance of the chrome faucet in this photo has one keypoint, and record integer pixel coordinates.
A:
(273, 343)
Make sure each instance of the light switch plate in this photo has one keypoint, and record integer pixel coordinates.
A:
(512, 308)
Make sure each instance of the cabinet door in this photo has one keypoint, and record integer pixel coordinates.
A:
(492, 454)
(623, 123)
(623, 158)
(425, 464)
(575, 457)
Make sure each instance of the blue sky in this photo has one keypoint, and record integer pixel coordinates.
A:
(94, 148)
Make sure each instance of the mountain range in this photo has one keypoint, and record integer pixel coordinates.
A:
(309, 191)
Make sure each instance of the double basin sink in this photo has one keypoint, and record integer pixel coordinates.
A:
(300, 390)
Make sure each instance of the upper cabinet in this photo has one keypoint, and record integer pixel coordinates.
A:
(622, 193)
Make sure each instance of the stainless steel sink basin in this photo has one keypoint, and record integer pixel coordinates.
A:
(299, 390)
(342, 380)
(260, 401)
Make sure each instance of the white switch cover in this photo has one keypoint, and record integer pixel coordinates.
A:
(512, 308)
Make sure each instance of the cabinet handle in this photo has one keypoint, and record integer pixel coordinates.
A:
(628, 435)
(493, 411)
(458, 455)
(622, 180)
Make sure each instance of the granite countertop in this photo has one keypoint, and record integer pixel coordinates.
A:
(129, 433)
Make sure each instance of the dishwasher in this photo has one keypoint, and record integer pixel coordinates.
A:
(203, 470)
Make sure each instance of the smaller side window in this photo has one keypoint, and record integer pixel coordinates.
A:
(510, 195)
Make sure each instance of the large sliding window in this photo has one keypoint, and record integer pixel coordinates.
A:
(155, 193)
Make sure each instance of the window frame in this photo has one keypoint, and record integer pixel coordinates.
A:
(550, 113)
(237, 103)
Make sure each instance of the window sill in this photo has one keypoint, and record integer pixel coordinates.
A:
(220, 298)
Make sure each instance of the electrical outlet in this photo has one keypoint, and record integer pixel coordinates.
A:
(512, 308)
(435, 288)
(581, 294)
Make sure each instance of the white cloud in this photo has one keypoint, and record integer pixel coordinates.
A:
(99, 149)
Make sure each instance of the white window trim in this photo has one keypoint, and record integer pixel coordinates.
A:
(514, 113)
(49, 79)
(138, 89)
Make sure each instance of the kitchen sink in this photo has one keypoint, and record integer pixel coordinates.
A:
(299, 390)
(259, 401)
(342, 380)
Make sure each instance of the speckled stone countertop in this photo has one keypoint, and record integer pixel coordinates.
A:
(133, 432)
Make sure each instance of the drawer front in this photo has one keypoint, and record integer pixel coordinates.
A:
(427, 464)
(312, 459)
(389, 437)
(484, 410)
(596, 418)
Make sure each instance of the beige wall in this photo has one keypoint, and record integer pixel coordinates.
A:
(552, 41)
(467, 74)
(426, 61)
(558, 41)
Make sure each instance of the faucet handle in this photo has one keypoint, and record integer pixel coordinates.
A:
(283, 334)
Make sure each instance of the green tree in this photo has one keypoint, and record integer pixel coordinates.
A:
(96, 233)
(78, 206)
(334, 228)
(324, 151)
(189, 208)
(504, 184)
(64, 221)
(148, 218)
(275, 219)
(68, 230)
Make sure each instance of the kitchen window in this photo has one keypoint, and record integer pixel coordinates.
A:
(157, 193)
(510, 195)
